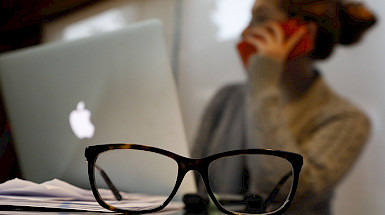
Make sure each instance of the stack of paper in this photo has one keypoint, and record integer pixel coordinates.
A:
(57, 194)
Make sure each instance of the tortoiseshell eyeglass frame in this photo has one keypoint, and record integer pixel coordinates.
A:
(186, 164)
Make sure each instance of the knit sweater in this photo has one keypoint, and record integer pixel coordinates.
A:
(327, 130)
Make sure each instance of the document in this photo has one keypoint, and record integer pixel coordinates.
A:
(57, 194)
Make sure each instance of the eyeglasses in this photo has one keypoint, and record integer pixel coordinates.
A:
(271, 175)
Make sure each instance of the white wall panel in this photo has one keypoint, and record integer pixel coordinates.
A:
(208, 56)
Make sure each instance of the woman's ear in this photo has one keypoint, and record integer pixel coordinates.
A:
(355, 20)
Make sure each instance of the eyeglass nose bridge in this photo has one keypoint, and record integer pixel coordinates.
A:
(199, 165)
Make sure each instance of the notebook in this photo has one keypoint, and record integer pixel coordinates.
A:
(116, 87)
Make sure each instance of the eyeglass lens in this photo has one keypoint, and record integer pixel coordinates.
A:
(262, 185)
(127, 177)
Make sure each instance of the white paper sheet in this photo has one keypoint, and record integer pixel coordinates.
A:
(61, 195)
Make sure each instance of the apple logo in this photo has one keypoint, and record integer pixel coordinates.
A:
(80, 122)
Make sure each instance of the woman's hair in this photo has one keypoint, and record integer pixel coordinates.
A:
(343, 24)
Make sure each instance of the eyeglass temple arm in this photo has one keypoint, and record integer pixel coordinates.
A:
(109, 183)
(276, 189)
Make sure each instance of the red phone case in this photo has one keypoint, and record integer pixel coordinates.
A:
(305, 45)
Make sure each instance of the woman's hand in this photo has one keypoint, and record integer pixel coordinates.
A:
(271, 40)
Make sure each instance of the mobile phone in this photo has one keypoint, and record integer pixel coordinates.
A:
(305, 45)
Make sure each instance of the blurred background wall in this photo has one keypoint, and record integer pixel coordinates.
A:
(201, 36)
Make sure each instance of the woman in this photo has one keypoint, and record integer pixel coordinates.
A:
(286, 104)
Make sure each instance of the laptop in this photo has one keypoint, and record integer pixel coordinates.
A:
(116, 87)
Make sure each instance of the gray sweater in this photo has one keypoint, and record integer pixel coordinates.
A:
(328, 131)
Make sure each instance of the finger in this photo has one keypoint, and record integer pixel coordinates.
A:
(262, 33)
(256, 42)
(277, 31)
(296, 37)
(245, 32)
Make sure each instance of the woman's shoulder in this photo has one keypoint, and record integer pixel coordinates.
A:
(225, 97)
(337, 104)
(230, 90)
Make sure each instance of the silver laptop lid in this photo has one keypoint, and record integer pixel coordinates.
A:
(121, 81)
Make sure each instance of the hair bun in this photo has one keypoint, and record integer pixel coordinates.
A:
(355, 20)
